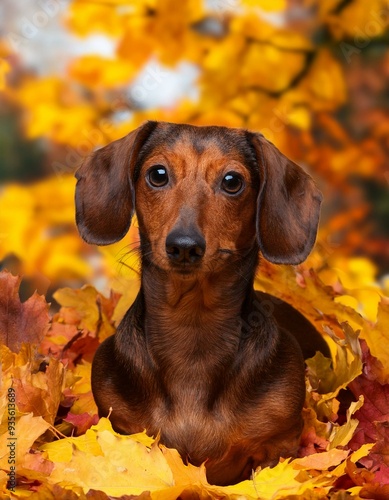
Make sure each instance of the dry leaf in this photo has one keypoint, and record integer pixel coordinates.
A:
(20, 322)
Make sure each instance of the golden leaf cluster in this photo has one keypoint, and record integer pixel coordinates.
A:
(64, 451)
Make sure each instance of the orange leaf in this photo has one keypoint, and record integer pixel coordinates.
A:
(27, 322)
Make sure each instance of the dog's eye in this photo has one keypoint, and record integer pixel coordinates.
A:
(232, 183)
(157, 176)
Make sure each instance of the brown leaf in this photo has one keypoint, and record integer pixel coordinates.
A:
(20, 322)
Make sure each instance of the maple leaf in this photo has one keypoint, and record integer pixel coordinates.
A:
(315, 434)
(377, 339)
(81, 422)
(304, 290)
(109, 462)
(94, 309)
(20, 322)
(37, 391)
(326, 378)
(78, 392)
(27, 429)
(342, 435)
(373, 417)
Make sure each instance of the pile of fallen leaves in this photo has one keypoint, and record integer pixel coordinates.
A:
(52, 444)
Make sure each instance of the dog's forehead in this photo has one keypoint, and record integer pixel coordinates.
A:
(179, 138)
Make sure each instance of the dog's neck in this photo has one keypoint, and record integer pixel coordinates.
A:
(187, 312)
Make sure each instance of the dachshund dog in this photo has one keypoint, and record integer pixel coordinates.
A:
(198, 358)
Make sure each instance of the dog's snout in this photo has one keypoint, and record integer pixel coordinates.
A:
(185, 246)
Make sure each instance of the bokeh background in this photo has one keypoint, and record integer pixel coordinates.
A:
(311, 75)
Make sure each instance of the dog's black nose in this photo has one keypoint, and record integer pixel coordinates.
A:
(185, 246)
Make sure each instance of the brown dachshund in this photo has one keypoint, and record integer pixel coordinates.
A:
(200, 357)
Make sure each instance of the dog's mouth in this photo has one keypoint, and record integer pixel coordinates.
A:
(201, 265)
(185, 270)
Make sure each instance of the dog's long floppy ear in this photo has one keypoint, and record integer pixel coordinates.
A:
(288, 206)
(104, 192)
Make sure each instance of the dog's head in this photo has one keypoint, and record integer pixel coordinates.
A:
(201, 195)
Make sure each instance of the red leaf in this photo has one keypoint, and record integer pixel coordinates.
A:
(20, 322)
(376, 402)
(83, 348)
(373, 425)
(82, 422)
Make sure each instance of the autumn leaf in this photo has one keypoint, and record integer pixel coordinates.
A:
(109, 462)
(37, 390)
(315, 434)
(103, 460)
(91, 307)
(341, 435)
(81, 423)
(321, 461)
(27, 430)
(377, 338)
(20, 322)
(312, 297)
(373, 415)
(78, 398)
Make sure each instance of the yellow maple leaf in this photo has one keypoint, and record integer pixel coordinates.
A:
(128, 288)
(184, 475)
(356, 276)
(327, 378)
(362, 452)
(135, 28)
(78, 381)
(341, 435)
(269, 483)
(307, 293)
(377, 338)
(27, 430)
(109, 462)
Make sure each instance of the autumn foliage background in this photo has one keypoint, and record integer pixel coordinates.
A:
(312, 76)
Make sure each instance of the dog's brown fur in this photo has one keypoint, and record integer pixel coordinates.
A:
(200, 357)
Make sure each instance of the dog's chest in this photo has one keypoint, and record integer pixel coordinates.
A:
(189, 426)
